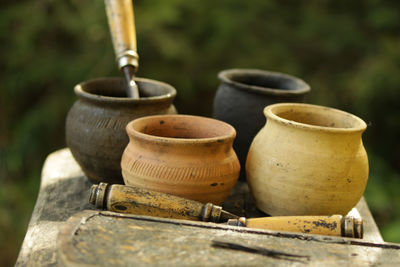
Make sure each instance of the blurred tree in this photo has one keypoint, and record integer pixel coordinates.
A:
(346, 50)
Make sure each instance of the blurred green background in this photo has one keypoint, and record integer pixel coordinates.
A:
(348, 51)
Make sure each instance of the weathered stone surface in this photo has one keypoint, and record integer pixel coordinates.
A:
(65, 190)
(110, 239)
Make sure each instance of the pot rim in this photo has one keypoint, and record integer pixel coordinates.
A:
(358, 124)
(226, 77)
(131, 131)
(80, 92)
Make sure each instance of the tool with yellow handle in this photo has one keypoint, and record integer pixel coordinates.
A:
(335, 225)
(134, 200)
(122, 26)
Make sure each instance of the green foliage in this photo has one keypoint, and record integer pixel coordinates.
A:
(383, 197)
(347, 50)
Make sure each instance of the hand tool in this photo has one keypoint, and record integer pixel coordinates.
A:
(335, 225)
(122, 26)
(134, 200)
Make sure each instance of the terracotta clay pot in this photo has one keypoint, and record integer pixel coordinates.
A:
(242, 96)
(307, 160)
(187, 156)
(95, 125)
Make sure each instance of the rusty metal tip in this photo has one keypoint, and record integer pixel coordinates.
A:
(132, 89)
(225, 216)
(233, 222)
(92, 197)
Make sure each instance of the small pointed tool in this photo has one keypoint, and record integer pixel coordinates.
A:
(122, 26)
(134, 200)
(335, 225)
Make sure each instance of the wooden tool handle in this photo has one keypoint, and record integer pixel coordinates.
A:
(122, 26)
(335, 225)
(134, 200)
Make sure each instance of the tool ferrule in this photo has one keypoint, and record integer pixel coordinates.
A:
(128, 57)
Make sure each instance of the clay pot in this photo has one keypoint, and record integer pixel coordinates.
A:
(95, 125)
(182, 155)
(242, 96)
(307, 160)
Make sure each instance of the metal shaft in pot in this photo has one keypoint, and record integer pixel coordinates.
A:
(121, 20)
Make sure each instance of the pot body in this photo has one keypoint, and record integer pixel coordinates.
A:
(307, 160)
(95, 125)
(187, 156)
(242, 96)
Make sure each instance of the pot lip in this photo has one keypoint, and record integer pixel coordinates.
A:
(360, 125)
(78, 89)
(225, 75)
(230, 135)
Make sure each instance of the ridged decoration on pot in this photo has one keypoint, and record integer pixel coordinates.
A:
(242, 96)
(183, 155)
(307, 160)
(95, 125)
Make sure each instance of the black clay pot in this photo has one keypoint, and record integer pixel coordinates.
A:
(242, 96)
(95, 125)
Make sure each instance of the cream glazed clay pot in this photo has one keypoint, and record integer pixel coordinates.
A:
(307, 160)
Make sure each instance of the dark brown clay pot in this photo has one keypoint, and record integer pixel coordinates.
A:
(95, 125)
(187, 156)
(242, 96)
